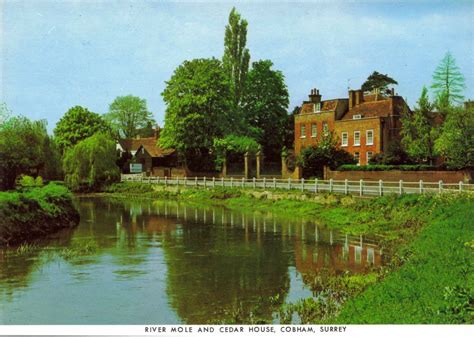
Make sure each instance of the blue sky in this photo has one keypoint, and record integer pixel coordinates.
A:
(58, 54)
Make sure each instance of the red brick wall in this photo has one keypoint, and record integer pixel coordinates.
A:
(450, 177)
(308, 120)
(362, 125)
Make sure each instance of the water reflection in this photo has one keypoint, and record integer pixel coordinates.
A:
(170, 262)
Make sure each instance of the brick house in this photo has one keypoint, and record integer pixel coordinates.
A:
(364, 123)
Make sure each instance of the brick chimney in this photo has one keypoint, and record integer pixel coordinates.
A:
(359, 96)
(156, 132)
(351, 99)
(315, 97)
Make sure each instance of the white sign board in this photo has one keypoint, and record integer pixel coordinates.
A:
(136, 168)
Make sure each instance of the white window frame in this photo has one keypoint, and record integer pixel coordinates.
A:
(357, 157)
(358, 142)
(371, 156)
(302, 131)
(314, 130)
(317, 107)
(325, 127)
(346, 143)
(367, 137)
(357, 117)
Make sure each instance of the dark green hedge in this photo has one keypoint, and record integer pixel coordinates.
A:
(380, 167)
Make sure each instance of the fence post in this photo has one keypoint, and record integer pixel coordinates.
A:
(346, 186)
(316, 185)
(460, 186)
(440, 186)
(204, 179)
(231, 182)
(380, 187)
(177, 181)
(185, 181)
(253, 182)
(330, 185)
(264, 183)
(421, 186)
(149, 179)
(274, 183)
(222, 181)
(243, 182)
(361, 187)
(289, 183)
(166, 181)
(302, 184)
(400, 187)
(158, 180)
(213, 181)
(195, 181)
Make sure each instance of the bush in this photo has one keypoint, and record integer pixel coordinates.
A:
(381, 167)
(25, 182)
(38, 211)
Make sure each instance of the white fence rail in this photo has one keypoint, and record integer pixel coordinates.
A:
(359, 187)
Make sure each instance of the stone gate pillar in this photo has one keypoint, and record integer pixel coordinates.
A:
(259, 157)
(224, 167)
(246, 165)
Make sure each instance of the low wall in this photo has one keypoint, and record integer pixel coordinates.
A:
(449, 177)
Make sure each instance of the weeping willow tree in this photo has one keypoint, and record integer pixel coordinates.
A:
(90, 165)
(233, 144)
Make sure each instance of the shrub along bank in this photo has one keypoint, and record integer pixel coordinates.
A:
(33, 212)
(430, 239)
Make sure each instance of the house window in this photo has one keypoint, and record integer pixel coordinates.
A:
(314, 130)
(356, 138)
(303, 131)
(357, 157)
(344, 139)
(357, 117)
(317, 107)
(325, 127)
(370, 137)
(370, 154)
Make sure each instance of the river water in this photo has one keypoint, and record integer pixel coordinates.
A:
(167, 262)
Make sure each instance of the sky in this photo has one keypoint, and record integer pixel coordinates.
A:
(58, 54)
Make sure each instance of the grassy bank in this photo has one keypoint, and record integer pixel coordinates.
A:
(430, 239)
(31, 213)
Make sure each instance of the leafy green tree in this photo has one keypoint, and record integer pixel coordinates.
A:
(77, 124)
(236, 56)
(265, 103)
(128, 115)
(378, 81)
(90, 164)
(197, 98)
(419, 131)
(448, 80)
(21, 148)
(456, 142)
(326, 153)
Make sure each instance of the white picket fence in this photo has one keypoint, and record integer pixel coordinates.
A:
(360, 187)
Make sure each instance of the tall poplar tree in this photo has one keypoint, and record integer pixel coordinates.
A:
(448, 80)
(236, 56)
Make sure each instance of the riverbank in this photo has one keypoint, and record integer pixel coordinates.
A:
(35, 212)
(429, 238)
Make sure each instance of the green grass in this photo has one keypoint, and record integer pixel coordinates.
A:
(27, 215)
(435, 285)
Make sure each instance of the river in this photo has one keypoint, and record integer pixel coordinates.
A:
(168, 262)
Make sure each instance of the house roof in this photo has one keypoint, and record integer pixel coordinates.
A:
(150, 145)
(131, 144)
(370, 109)
(329, 105)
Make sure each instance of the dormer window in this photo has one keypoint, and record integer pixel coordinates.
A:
(317, 107)
(357, 117)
